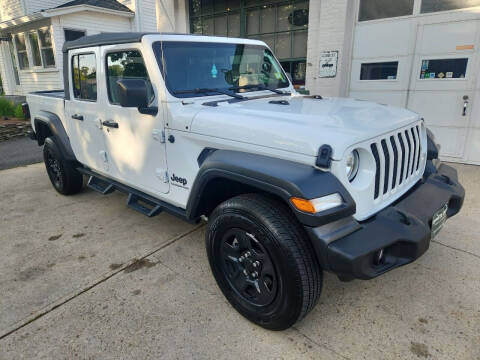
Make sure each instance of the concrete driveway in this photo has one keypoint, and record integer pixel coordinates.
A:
(85, 277)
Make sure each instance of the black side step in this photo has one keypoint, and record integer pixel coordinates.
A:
(143, 205)
(137, 200)
(99, 185)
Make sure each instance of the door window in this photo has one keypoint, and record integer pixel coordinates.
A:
(127, 64)
(379, 71)
(444, 69)
(429, 6)
(84, 75)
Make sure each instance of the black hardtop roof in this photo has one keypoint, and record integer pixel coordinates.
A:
(109, 39)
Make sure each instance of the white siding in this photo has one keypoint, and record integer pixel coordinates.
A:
(34, 6)
(11, 9)
(91, 22)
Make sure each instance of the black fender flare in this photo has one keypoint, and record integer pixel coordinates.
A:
(282, 178)
(53, 122)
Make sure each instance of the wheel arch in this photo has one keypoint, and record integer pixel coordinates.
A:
(47, 124)
(224, 174)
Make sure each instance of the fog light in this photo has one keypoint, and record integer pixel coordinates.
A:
(378, 257)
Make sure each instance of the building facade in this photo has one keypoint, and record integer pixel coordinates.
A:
(420, 54)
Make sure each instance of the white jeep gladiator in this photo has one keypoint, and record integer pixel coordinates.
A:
(211, 127)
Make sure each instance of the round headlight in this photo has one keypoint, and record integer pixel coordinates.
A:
(351, 165)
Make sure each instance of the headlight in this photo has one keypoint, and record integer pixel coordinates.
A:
(351, 165)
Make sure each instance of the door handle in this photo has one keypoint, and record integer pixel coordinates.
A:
(77, 117)
(110, 123)
(465, 105)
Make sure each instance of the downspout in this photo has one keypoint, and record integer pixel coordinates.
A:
(137, 14)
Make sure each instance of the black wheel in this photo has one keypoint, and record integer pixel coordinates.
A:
(262, 260)
(62, 173)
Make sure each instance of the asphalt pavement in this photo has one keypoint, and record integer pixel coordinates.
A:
(19, 152)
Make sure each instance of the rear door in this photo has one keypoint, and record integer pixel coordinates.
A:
(136, 145)
(83, 108)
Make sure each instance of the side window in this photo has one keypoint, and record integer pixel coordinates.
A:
(444, 69)
(126, 64)
(379, 71)
(84, 76)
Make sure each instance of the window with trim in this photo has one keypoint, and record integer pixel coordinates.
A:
(14, 63)
(381, 9)
(444, 68)
(127, 64)
(21, 48)
(281, 24)
(84, 77)
(71, 35)
(46, 47)
(35, 48)
(429, 6)
(379, 71)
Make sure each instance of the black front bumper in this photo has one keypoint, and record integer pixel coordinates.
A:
(402, 230)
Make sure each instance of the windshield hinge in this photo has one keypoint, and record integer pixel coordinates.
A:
(159, 135)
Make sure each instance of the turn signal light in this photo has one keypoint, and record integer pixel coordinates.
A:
(303, 205)
(317, 205)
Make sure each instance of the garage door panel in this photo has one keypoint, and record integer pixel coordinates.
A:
(383, 39)
(451, 140)
(439, 108)
(452, 34)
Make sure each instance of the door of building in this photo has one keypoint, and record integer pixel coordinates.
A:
(443, 82)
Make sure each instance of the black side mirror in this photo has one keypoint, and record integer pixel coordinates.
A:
(133, 93)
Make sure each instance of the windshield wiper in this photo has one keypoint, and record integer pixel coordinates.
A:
(206, 91)
(259, 87)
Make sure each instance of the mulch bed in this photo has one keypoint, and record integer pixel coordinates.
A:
(13, 128)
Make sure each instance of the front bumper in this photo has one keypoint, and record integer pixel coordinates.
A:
(402, 230)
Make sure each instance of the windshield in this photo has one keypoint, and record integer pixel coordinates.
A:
(188, 66)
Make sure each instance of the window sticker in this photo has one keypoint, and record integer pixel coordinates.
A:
(432, 75)
(449, 74)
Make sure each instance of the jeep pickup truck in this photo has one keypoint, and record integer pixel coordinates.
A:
(211, 128)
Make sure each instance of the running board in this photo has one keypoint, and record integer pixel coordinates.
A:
(137, 200)
(143, 205)
(99, 185)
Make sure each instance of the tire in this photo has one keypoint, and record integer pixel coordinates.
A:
(255, 233)
(63, 175)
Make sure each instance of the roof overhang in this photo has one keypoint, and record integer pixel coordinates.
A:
(62, 11)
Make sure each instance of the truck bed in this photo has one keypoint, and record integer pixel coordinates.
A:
(41, 102)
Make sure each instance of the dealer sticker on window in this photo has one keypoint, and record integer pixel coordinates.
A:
(438, 220)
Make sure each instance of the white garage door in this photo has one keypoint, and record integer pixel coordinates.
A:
(443, 82)
(429, 63)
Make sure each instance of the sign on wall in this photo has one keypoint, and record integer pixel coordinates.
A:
(328, 64)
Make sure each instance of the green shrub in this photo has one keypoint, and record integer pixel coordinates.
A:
(6, 107)
(18, 112)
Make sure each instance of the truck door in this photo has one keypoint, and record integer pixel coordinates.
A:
(83, 107)
(136, 142)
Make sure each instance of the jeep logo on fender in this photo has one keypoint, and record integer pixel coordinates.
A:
(179, 180)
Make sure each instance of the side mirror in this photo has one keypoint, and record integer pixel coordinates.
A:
(133, 93)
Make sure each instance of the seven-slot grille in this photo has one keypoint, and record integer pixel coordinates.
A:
(397, 159)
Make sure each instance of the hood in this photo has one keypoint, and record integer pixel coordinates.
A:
(302, 125)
